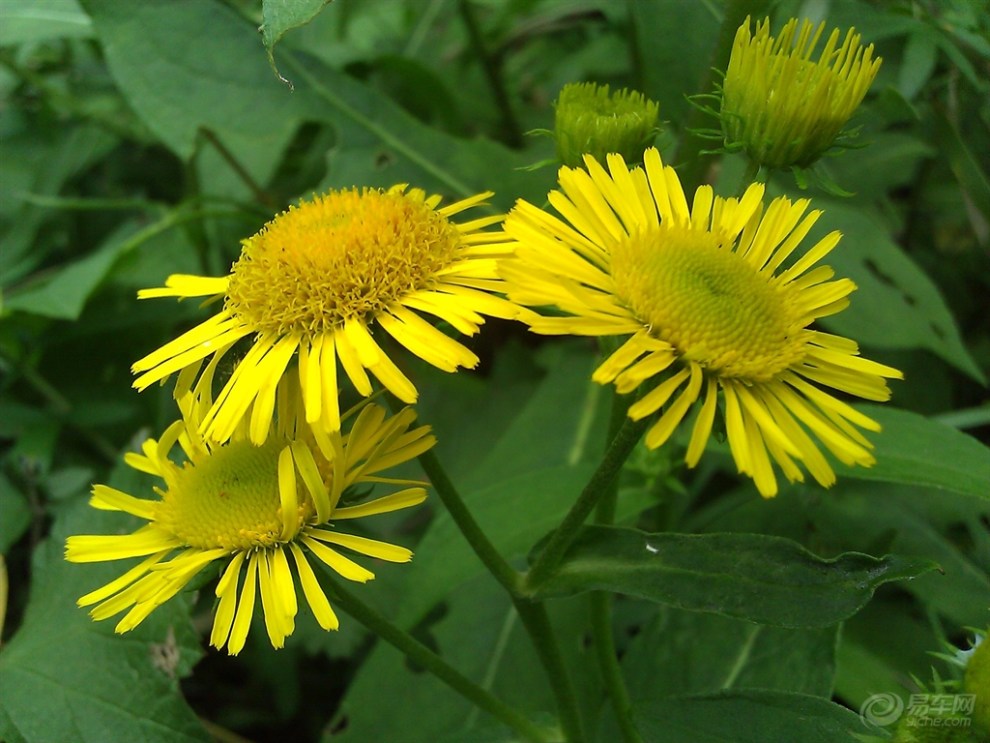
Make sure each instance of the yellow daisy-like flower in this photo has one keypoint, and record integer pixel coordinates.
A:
(782, 108)
(715, 298)
(315, 280)
(251, 508)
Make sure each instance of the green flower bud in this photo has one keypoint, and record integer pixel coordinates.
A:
(590, 121)
(783, 109)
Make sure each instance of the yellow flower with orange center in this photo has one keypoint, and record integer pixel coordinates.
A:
(316, 282)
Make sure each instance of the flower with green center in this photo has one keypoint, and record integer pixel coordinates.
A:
(782, 108)
(714, 297)
(589, 120)
(316, 280)
(257, 510)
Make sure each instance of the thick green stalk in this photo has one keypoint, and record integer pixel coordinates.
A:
(482, 546)
(597, 488)
(426, 658)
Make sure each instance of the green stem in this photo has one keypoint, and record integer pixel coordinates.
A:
(423, 656)
(533, 616)
(601, 601)
(695, 165)
(482, 546)
(537, 623)
(597, 488)
(608, 662)
(256, 190)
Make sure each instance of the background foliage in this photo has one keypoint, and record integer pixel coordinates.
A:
(143, 138)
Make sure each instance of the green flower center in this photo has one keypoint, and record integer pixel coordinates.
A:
(708, 302)
(345, 254)
(230, 499)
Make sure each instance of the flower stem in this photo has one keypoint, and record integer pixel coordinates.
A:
(533, 615)
(608, 662)
(482, 546)
(601, 601)
(537, 623)
(422, 655)
(597, 488)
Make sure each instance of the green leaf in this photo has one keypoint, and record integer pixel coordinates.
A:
(63, 294)
(64, 677)
(707, 653)
(16, 514)
(746, 717)
(915, 450)
(763, 579)
(379, 144)
(26, 21)
(34, 164)
(675, 68)
(480, 634)
(896, 305)
(280, 16)
(189, 64)
(920, 55)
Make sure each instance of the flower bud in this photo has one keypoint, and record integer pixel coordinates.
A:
(590, 121)
(780, 107)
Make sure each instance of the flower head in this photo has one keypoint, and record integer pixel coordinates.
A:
(784, 109)
(589, 120)
(315, 281)
(256, 510)
(711, 302)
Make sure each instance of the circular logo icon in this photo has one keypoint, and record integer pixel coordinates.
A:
(881, 709)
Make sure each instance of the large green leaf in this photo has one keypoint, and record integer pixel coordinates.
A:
(189, 64)
(896, 305)
(64, 677)
(763, 579)
(915, 450)
(747, 717)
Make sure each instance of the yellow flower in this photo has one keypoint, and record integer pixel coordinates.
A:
(712, 304)
(315, 280)
(780, 107)
(249, 508)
